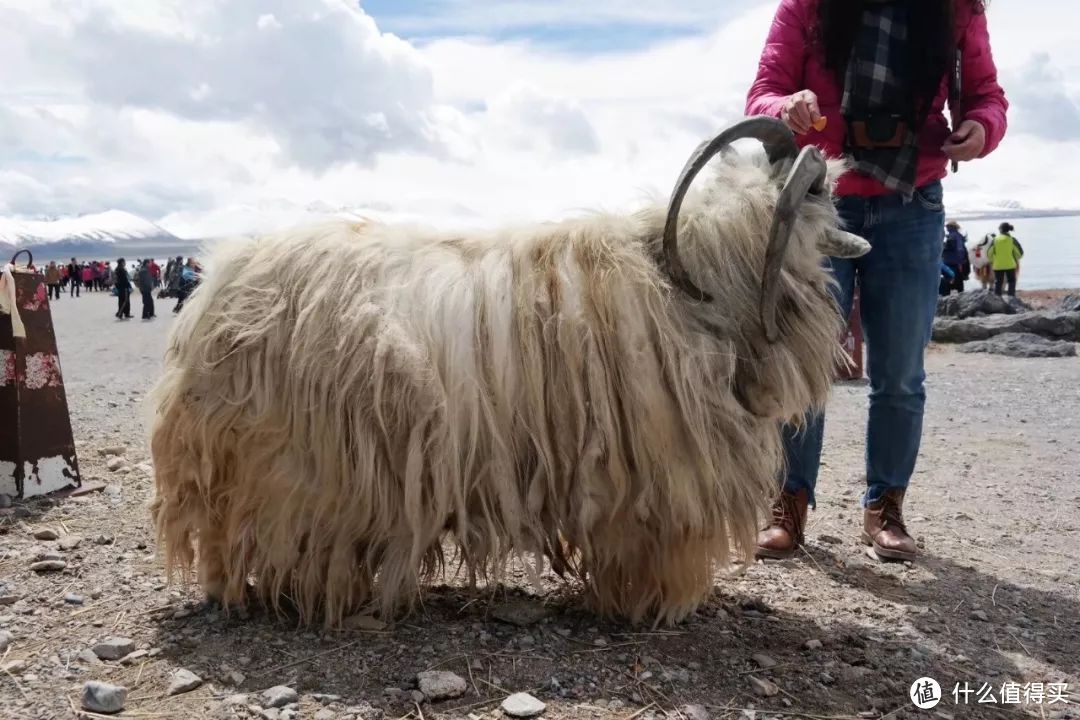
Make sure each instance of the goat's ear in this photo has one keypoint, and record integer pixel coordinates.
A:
(839, 244)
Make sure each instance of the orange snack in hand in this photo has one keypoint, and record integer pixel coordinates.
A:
(820, 124)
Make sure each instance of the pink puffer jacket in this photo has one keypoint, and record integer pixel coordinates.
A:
(790, 63)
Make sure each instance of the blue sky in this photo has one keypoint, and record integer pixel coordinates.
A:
(583, 29)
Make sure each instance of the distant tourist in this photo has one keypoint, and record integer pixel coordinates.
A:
(955, 256)
(145, 280)
(123, 291)
(188, 278)
(52, 279)
(1005, 253)
(88, 277)
(75, 277)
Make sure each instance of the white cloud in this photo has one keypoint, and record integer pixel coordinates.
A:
(218, 116)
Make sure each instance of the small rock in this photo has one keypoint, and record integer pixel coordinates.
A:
(5, 640)
(764, 661)
(364, 622)
(271, 714)
(183, 681)
(113, 450)
(88, 657)
(5, 500)
(237, 678)
(132, 658)
(522, 705)
(826, 678)
(73, 599)
(325, 714)
(235, 700)
(14, 667)
(48, 566)
(441, 685)
(279, 696)
(830, 539)
(69, 542)
(114, 648)
(325, 699)
(979, 615)
(115, 463)
(417, 696)
(764, 688)
(103, 698)
(8, 598)
(46, 534)
(521, 613)
(695, 712)
(814, 644)
(103, 540)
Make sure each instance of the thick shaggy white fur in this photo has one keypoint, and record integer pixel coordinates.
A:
(340, 401)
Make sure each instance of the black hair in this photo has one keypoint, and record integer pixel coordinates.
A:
(931, 41)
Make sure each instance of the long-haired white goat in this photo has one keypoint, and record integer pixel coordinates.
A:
(340, 402)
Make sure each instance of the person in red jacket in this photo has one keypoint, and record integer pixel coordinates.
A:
(868, 80)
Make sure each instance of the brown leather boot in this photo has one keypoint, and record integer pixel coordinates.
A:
(883, 528)
(785, 534)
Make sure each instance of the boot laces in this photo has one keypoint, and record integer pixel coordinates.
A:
(786, 515)
(892, 514)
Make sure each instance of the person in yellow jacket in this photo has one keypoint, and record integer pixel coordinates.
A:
(1005, 253)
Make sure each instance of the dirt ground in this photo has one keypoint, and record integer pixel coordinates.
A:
(994, 598)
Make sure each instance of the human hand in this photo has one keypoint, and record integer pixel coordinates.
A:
(967, 142)
(801, 111)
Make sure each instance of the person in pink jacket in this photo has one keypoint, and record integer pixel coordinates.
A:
(868, 80)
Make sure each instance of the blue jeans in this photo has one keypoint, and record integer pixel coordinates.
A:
(898, 288)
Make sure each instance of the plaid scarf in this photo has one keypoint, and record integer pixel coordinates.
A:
(875, 83)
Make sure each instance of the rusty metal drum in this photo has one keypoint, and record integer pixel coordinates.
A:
(37, 449)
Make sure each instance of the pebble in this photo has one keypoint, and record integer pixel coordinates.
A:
(521, 613)
(764, 688)
(764, 661)
(979, 615)
(113, 450)
(103, 540)
(695, 712)
(325, 714)
(48, 566)
(183, 681)
(46, 534)
(234, 700)
(522, 705)
(5, 500)
(324, 698)
(8, 598)
(115, 463)
(88, 657)
(814, 644)
(114, 648)
(417, 696)
(14, 667)
(364, 622)
(440, 685)
(5, 640)
(132, 658)
(73, 599)
(279, 696)
(69, 542)
(103, 698)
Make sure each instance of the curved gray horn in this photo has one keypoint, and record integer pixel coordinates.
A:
(779, 144)
(808, 173)
(840, 244)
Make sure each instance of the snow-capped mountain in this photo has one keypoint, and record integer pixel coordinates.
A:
(106, 233)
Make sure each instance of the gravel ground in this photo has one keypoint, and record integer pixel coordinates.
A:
(994, 599)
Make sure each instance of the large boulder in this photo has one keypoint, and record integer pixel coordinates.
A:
(1023, 345)
(1053, 324)
(979, 302)
(1071, 303)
